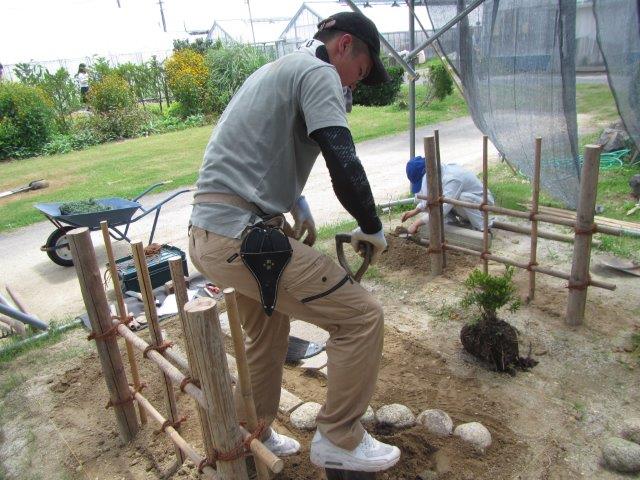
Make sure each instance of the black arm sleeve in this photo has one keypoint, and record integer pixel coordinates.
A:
(347, 176)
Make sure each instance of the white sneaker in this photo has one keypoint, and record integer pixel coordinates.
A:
(281, 445)
(370, 456)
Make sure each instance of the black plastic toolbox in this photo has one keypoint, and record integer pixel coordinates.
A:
(158, 268)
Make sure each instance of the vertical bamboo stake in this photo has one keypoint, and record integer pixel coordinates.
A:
(244, 377)
(180, 289)
(122, 312)
(144, 280)
(211, 363)
(485, 199)
(86, 265)
(433, 187)
(535, 198)
(436, 136)
(579, 280)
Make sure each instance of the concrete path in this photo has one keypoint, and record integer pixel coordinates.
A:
(52, 292)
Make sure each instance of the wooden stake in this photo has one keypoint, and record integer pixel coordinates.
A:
(535, 198)
(180, 288)
(433, 187)
(485, 200)
(436, 137)
(579, 280)
(95, 300)
(211, 364)
(244, 376)
(155, 333)
(122, 313)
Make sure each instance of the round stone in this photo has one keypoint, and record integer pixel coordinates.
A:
(369, 417)
(621, 455)
(395, 415)
(474, 433)
(631, 430)
(436, 421)
(304, 417)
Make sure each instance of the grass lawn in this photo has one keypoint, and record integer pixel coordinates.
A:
(124, 169)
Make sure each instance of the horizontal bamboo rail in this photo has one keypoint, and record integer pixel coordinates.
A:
(559, 237)
(174, 436)
(554, 219)
(507, 261)
(274, 463)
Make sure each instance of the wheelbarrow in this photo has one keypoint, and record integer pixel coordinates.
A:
(121, 213)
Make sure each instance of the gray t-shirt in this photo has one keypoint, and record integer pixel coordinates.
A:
(260, 149)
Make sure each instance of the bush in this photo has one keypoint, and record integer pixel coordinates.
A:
(64, 95)
(118, 124)
(186, 76)
(110, 94)
(229, 68)
(200, 45)
(26, 120)
(490, 293)
(381, 94)
(440, 83)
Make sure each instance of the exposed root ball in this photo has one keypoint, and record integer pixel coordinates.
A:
(495, 342)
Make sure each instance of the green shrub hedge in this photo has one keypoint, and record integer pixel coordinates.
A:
(26, 120)
(381, 94)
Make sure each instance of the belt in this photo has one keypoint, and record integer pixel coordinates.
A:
(228, 199)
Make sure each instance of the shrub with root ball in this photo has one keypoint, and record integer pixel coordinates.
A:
(489, 338)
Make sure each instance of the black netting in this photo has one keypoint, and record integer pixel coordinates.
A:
(618, 23)
(515, 59)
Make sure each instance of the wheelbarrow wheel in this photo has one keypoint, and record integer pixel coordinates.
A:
(62, 255)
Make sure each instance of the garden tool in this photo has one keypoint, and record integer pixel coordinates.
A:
(35, 185)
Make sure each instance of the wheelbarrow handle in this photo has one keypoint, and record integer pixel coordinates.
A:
(341, 239)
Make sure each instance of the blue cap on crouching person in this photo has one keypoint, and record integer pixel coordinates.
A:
(415, 172)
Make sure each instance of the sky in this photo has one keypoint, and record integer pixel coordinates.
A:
(44, 30)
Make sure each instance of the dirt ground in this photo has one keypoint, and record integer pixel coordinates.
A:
(548, 423)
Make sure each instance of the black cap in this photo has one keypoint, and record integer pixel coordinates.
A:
(363, 28)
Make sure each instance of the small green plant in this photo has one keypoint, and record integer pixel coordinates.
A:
(490, 293)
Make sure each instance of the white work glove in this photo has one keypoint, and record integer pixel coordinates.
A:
(301, 214)
(377, 240)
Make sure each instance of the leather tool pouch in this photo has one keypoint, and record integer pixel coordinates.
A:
(266, 252)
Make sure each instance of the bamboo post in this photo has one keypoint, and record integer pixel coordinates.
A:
(86, 265)
(180, 290)
(244, 377)
(485, 201)
(436, 137)
(579, 280)
(144, 280)
(211, 363)
(13, 323)
(122, 313)
(535, 199)
(433, 202)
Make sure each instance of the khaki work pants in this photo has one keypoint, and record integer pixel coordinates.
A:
(315, 289)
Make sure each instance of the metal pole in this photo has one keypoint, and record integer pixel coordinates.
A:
(412, 86)
(412, 54)
(408, 68)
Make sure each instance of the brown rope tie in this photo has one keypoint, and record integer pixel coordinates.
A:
(578, 286)
(130, 398)
(587, 231)
(111, 331)
(187, 380)
(152, 249)
(531, 265)
(532, 216)
(434, 250)
(169, 423)
(158, 348)
(485, 255)
(239, 451)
